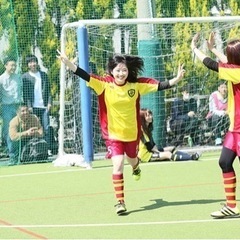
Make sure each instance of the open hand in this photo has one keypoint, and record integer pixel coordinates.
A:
(181, 71)
(195, 40)
(62, 56)
(211, 41)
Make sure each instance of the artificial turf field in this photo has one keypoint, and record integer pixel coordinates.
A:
(173, 200)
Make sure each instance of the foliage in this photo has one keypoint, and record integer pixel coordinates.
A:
(35, 27)
(7, 31)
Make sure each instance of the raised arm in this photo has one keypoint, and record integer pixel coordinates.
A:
(76, 70)
(179, 76)
(169, 83)
(207, 61)
(65, 60)
(199, 54)
(211, 44)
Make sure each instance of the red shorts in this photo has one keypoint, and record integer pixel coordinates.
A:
(115, 148)
(232, 141)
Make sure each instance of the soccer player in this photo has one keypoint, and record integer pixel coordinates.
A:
(119, 105)
(228, 69)
(150, 152)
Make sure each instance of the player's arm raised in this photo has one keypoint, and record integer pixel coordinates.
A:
(77, 70)
(211, 47)
(180, 74)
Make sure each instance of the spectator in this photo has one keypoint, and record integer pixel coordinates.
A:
(10, 96)
(22, 128)
(183, 117)
(149, 151)
(36, 94)
(217, 115)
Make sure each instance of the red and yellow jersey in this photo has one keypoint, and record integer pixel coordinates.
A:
(231, 73)
(119, 106)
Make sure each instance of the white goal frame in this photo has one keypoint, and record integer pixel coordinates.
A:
(136, 21)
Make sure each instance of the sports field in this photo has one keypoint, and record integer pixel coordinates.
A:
(173, 200)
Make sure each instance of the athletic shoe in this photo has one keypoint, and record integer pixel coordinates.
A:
(120, 208)
(196, 156)
(226, 212)
(218, 141)
(136, 173)
(50, 153)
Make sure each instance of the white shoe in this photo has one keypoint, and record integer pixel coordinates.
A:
(50, 153)
(120, 208)
(226, 212)
(218, 141)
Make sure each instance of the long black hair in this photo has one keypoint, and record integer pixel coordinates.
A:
(147, 128)
(134, 64)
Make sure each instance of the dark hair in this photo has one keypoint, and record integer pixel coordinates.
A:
(31, 58)
(21, 106)
(134, 64)
(146, 128)
(9, 59)
(233, 52)
(221, 82)
(185, 88)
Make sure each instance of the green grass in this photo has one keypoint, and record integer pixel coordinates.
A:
(173, 200)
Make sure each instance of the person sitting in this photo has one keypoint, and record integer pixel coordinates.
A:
(183, 117)
(23, 127)
(149, 151)
(217, 115)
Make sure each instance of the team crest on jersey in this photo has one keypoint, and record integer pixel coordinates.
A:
(131, 92)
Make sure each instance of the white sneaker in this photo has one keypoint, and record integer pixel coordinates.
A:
(218, 141)
(226, 212)
(50, 153)
(120, 208)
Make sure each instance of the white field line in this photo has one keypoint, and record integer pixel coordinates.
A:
(40, 173)
(76, 169)
(119, 224)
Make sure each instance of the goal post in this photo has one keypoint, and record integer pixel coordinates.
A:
(84, 104)
(100, 38)
(85, 95)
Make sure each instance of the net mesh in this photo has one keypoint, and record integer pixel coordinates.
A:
(174, 43)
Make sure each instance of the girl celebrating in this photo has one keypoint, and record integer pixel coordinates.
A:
(119, 95)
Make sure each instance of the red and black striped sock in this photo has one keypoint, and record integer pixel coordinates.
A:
(118, 184)
(229, 181)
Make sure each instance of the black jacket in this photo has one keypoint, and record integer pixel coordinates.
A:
(28, 89)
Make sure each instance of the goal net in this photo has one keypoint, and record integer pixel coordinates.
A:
(163, 44)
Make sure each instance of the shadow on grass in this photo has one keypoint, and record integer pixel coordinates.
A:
(159, 203)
